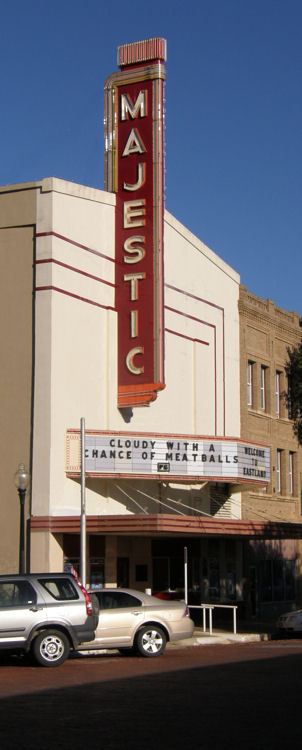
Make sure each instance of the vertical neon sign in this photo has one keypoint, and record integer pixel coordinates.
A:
(134, 158)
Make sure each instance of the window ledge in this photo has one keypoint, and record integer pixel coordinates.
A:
(268, 415)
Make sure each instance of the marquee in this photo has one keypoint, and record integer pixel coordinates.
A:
(169, 456)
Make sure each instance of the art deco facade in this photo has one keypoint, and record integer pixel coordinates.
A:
(59, 339)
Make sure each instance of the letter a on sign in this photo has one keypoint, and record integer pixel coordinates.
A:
(134, 111)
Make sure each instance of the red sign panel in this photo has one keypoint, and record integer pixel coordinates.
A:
(134, 170)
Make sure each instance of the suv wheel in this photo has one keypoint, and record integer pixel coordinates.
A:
(51, 648)
(151, 641)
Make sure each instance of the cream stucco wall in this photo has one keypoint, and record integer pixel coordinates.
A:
(76, 357)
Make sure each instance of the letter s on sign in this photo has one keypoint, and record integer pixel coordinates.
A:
(129, 360)
(133, 245)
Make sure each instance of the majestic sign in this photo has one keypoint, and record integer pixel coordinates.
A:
(171, 457)
(134, 126)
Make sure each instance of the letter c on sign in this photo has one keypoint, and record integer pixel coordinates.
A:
(129, 360)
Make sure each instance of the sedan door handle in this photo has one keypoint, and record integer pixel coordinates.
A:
(135, 613)
(35, 609)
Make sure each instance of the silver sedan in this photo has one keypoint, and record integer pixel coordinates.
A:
(134, 622)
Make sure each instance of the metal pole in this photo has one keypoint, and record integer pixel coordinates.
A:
(210, 620)
(83, 507)
(235, 619)
(186, 573)
(22, 494)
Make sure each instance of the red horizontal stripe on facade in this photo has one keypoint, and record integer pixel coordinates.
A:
(168, 524)
(75, 270)
(194, 296)
(191, 317)
(189, 338)
(75, 296)
(76, 244)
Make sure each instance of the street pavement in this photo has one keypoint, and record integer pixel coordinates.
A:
(212, 698)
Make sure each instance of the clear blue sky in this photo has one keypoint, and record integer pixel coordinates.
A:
(233, 115)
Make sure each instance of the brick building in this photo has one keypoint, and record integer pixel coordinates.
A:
(266, 332)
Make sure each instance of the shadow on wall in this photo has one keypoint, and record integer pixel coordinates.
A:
(151, 497)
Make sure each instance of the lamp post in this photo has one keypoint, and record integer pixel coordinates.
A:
(21, 482)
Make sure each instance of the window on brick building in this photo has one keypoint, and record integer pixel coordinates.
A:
(278, 471)
(291, 473)
(277, 392)
(263, 387)
(289, 404)
(249, 383)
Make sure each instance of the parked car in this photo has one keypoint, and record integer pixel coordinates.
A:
(134, 622)
(46, 614)
(290, 622)
(169, 595)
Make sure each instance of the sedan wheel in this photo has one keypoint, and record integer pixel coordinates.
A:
(151, 641)
(51, 648)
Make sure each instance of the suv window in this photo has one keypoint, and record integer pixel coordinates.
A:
(117, 600)
(16, 594)
(61, 589)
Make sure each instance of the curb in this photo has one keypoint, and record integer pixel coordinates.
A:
(221, 639)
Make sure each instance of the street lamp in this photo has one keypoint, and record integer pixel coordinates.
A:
(21, 482)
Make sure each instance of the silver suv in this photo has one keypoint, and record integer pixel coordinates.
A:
(46, 614)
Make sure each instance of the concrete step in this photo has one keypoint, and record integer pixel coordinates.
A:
(199, 638)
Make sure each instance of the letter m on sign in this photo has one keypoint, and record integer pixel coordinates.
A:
(136, 109)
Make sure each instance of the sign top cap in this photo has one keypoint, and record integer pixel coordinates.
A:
(137, 52)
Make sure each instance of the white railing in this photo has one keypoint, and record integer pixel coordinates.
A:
(209, 608)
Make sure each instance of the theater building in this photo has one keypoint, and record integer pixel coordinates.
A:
(116, 315)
